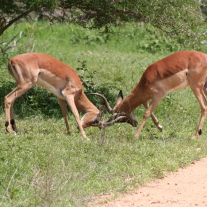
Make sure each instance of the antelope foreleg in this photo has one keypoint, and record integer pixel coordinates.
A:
(71, 103)
(154, 118)
(64, 110)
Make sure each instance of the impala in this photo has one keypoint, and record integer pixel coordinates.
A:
(177, 71)
(58, 78)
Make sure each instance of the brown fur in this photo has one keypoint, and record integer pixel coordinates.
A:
(172, 73)
(41, 69)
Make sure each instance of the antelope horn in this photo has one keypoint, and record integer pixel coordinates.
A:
(108, 107)
(100, 114)
(108, 122)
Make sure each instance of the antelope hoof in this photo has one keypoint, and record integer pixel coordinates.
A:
(195, 137)
(197, 134)
(160, 128)
(136, 137)
(8, 128)
(69, 132)
(10, 131)
(87, 138)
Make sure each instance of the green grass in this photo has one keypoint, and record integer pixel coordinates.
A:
(43, 166)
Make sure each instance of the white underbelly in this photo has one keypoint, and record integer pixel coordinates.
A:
(182, 85)
(49, 87)
(175, 82)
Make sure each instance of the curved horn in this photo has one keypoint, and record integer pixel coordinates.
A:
(110, 110)
(108, 122)
(100, 114)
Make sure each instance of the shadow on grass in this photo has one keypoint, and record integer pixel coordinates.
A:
(39, 101)
(35, 101)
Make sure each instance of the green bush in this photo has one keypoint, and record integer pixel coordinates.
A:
(43, 166)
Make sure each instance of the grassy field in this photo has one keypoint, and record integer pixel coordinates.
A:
(43, 166)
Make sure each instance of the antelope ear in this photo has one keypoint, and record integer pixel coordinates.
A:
(119, 97)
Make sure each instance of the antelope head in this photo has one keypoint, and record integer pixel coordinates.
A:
(117, 117)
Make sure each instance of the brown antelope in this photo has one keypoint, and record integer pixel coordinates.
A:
(177, 71)
(58, 78)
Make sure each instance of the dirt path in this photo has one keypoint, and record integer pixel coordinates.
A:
(184, 188)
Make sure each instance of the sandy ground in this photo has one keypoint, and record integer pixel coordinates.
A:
(184, 188)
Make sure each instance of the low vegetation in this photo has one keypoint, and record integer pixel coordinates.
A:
(43, 166)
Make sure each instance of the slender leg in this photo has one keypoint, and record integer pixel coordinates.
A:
(203, 104)
(154, 118)
(71, 103)
(12, 118)
(9, 101)
(64, 110)
(148, 113)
